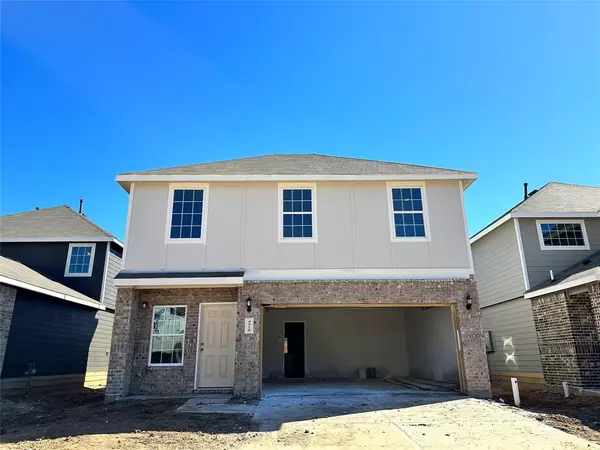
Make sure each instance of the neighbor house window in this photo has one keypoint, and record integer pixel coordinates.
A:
(187, 215)
(80, 260)
(409, 218)
(297, 209)
(168, 335)
(562, 235)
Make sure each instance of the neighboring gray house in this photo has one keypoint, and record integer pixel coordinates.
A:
(294, 266)
(543, 331)
(57, 272)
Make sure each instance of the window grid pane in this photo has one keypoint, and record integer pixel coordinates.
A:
(409, 221)
(186, 218)
(297, 213)
(562, 235)
(168, 330)
(80, 259)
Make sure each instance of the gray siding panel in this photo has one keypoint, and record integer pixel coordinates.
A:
(110, 290)
(539, 262)
(498, 269)
(514, 338)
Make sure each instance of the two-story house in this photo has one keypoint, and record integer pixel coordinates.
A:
(538, 277)
(57, 305)
(294, 266)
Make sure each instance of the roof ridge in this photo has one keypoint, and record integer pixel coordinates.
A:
(88, 221)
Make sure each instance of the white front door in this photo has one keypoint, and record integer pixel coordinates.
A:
(217, 345)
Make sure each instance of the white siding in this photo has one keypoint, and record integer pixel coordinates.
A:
(242, 220)
(514, 338)
(498, 269)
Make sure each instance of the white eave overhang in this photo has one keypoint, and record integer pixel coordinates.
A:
(189, 282)
(50, 292)
(563, 286)
(126, 180)
(65, 239)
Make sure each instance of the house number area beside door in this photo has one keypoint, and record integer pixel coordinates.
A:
(249, 325)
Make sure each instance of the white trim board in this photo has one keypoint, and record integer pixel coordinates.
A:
(124, 255)
(358, 274)
(563, 286)
(464, 212)
(522, 254)
(105, 273)
(149, 283)
(49, 292)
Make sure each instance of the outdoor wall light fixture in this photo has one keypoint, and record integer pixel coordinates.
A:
(249, 304)
(144, 305)
(469, 302)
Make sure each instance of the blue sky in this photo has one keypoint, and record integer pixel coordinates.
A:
(510, 90)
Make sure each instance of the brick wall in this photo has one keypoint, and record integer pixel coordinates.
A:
(422, 292)
(567, 335)
(7, 305)
(129, 371)
(171, 380)
(594, 291)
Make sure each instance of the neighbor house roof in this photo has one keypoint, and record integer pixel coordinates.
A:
(585, 271)
(60, 223)
(553, 200)
(19, 275)
(292, 167)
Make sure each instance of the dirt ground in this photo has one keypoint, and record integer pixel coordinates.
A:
(575, 415)
(82, 420)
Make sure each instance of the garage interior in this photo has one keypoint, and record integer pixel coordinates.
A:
(342, 343)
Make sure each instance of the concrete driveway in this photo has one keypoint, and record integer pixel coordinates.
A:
(379, 415)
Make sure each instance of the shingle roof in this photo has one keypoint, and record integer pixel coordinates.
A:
(57, 222)
(555, 197)
(16, 271)
(300, 164)
(584, 268)
(562, 197)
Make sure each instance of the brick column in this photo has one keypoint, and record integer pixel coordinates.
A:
(594, 291)
(474, 359)
(247, 377)
(122, 345)
(8, 295)
(568, 339)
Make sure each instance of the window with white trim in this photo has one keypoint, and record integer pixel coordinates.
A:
(187, 214)
(80, 260)
(409, 213)
(562, 234)
(168, 335)
(297, 211)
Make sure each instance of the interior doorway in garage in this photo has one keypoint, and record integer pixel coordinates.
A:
(344, 343)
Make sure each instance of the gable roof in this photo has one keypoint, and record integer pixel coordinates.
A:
(585, 271)
(294, 167)
(59, 223)
(19, 275)
(553, 200)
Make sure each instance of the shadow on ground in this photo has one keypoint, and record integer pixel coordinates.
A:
(83, 412)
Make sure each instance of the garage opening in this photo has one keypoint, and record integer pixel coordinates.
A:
(352, 343)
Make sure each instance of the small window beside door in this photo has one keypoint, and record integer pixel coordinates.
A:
(168, 336)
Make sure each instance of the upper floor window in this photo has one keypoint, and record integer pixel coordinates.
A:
(80, 260)
(408, 213)
(562, 235)
(297, 213)
(187, 218)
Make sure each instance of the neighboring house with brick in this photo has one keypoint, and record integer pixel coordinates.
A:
(541, 330)
(58, 297)
(294, 266)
